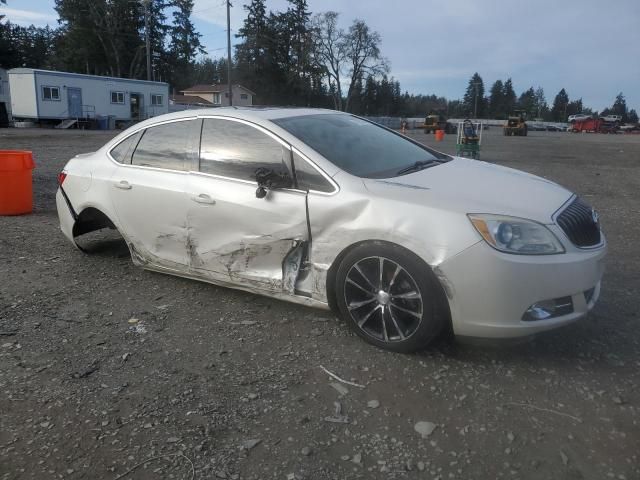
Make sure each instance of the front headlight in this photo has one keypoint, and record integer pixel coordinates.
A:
(516, 235)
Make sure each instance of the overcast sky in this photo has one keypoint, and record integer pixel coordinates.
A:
(589, 47)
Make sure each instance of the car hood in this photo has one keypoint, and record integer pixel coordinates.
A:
(472, 186)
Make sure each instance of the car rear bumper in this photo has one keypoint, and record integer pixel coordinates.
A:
(489, 291)
(66, 215)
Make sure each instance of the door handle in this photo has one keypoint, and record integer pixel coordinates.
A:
(123, 185)
(204, 198)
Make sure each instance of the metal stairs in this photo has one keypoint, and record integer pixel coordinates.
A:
(68, 123)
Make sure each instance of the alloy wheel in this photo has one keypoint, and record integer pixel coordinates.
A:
(383, 299)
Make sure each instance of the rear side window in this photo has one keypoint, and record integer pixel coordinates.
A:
(309, 178)
(164, 146)
(121, 153)
(236, 150)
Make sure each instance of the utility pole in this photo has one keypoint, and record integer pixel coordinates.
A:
(147, 4)
(229, 53)
(475, 101)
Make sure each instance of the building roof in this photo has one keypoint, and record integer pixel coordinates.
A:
(217, 88)
(70, 74)
(189, 100)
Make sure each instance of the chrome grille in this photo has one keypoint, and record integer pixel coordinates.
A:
(580, 223)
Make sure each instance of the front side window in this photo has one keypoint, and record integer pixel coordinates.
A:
(244, 96)
(164, 146)
(357, 146)
(236, 150)
(156, 99)
(309, 178)
(51, 93)
(117, 97)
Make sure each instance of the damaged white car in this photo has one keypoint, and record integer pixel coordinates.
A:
(330, 210)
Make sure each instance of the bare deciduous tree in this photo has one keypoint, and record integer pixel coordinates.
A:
(363, 54)
(346, 56)
(330, 52)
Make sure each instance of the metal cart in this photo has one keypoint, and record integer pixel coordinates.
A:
(469, 139)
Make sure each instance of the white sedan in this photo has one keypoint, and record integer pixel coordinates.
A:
(330, 210)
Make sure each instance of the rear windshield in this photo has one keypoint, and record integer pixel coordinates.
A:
(357, 146)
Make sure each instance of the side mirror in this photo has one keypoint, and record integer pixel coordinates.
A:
(261, 192)
(268, 180)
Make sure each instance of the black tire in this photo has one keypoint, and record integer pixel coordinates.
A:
(402, 324)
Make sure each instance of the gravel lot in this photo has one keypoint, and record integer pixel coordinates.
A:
(104, 366)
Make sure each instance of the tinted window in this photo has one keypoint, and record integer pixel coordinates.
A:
(308, 177)
(122, 152)
(236, 150)
(164, 146)
(357, 146)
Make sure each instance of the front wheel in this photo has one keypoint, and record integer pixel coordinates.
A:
(390, 297)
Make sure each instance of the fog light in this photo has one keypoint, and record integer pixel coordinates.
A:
(540, 310)
(546, 309)
(588, 295)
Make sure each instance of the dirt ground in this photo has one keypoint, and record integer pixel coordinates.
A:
(104, 366)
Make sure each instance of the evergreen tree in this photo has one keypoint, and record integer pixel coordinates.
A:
(632, 117)
(559, 109)
(369, 95)
(527, 102)
(474, 101)
(509, 97)
(496, 100)
(575, 107)
(620, 107)
(542, 109)
(185, 44)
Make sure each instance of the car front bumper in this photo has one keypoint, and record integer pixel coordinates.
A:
(489, 291)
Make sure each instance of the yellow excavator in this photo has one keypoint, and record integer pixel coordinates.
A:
(516, 124)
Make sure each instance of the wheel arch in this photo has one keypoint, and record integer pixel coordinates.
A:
(91, 219)
(333, 269)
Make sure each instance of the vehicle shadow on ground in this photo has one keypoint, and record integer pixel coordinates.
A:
(589, 341)
(104, 243)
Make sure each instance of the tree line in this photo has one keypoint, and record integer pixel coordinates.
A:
(107, 37)
(502, 101)
(291, 57)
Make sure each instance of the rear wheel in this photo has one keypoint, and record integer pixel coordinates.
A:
(390, 297)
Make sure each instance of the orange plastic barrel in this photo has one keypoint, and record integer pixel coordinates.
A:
(16, 189)
(439, 135)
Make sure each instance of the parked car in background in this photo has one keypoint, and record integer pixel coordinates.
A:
(612, 118)
(330, 210)
(536, 126)
(578, 117)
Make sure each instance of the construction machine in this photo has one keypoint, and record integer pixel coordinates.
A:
(516, 124)
(435, 122)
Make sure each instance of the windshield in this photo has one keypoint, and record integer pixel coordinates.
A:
(357, 146)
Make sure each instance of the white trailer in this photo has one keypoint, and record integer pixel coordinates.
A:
(5, 99)
(48, 95)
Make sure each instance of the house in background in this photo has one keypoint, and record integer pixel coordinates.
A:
(5, 99)
(177, 103)
(44, 95)
(218, 95)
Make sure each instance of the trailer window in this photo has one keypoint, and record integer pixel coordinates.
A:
(51, 93)
(117, 97)
(156, 99)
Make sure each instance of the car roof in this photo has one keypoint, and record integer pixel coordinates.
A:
(257, 114)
